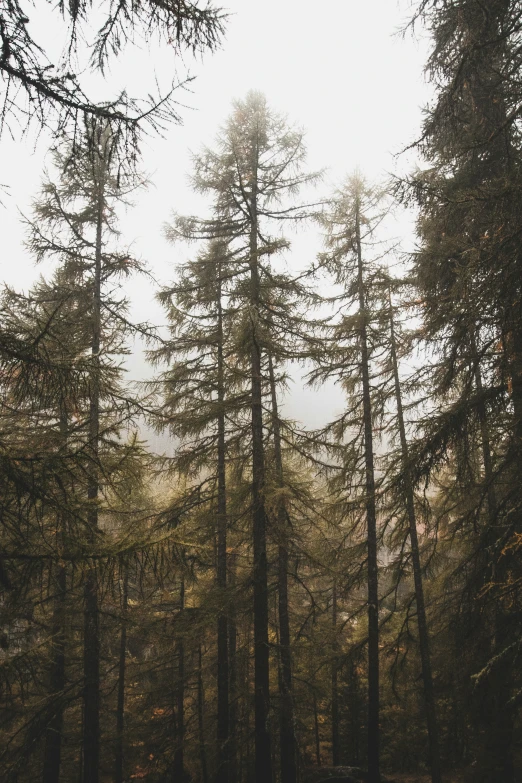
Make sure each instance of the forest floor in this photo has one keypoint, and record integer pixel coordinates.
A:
(453, 777)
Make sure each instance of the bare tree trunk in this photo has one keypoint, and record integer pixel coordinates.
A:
(263, 753)
(371, 521)
(120, 707)
(222, 773)
(424, 641)
(201, 725)
(496, 749)
(288, 748)
(91, 658)
(179, 762)
(316, 733)
(53, 732)
(335, 688)
(233, 694)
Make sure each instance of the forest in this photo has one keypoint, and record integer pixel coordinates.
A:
(262, 600)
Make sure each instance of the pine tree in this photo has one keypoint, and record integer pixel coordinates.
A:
(74, 221)
(258, 163)
(468, 272)
(349, 351)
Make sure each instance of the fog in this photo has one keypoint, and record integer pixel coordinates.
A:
(342, 71)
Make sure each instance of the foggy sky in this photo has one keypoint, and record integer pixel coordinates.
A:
(337, 68)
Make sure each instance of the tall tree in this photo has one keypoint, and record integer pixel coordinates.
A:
(468, 272)
(74, 221)
(257, 165)
(349, 353)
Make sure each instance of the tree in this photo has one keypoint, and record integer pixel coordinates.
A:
(74, 221)
(203, 392)
(350, 346)
(468, 273)
(37, 89)
(256, 166)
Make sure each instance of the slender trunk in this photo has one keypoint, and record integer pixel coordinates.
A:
(335, 690)
(371, 521)
(120, 707)
(179, 763)
(201, 725)
(91, 659)
(287, 733)
(222, 773)
(496, 746)
(233, 697)
(424, 641)
(316, 733)
(53, 732)
(263, 754)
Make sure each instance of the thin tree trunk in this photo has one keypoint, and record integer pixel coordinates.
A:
(179, 762)
(316, 733)
(288, 748)
(223, 718)
(335, 689)
(233, 695)
(496, 750)
(53, 732)
(424, 641)
(201, 725)
(371, 521)
(263, 754)
(120, 708)
(91, 659)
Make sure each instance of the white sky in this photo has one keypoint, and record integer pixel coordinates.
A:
(336, 68)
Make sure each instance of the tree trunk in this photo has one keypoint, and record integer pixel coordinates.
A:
(288, 748)
(179, 762)
(424, 642)
(120, 708)
(91, 659)
(316, 733)
(233, 695)
(201, 725)
(263, 754)
(222, 773)
(335, 688)
(496, 743)
(53, 732)
(371, 521)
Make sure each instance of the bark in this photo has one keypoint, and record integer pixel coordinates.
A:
(263, 754)
(496, 745)
(335, 688)
(371, 521)
(424, 641)
(201, 725)
(316, 733)
(233, 694)
(223, 718)
(179, 763)
(53, 732)
(91, 659)
(287, 732)
(120, 707)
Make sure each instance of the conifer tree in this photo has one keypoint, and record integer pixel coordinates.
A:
(352, 344)
(202, 395)
(256, 166)
(74, 222)
(468, 272)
